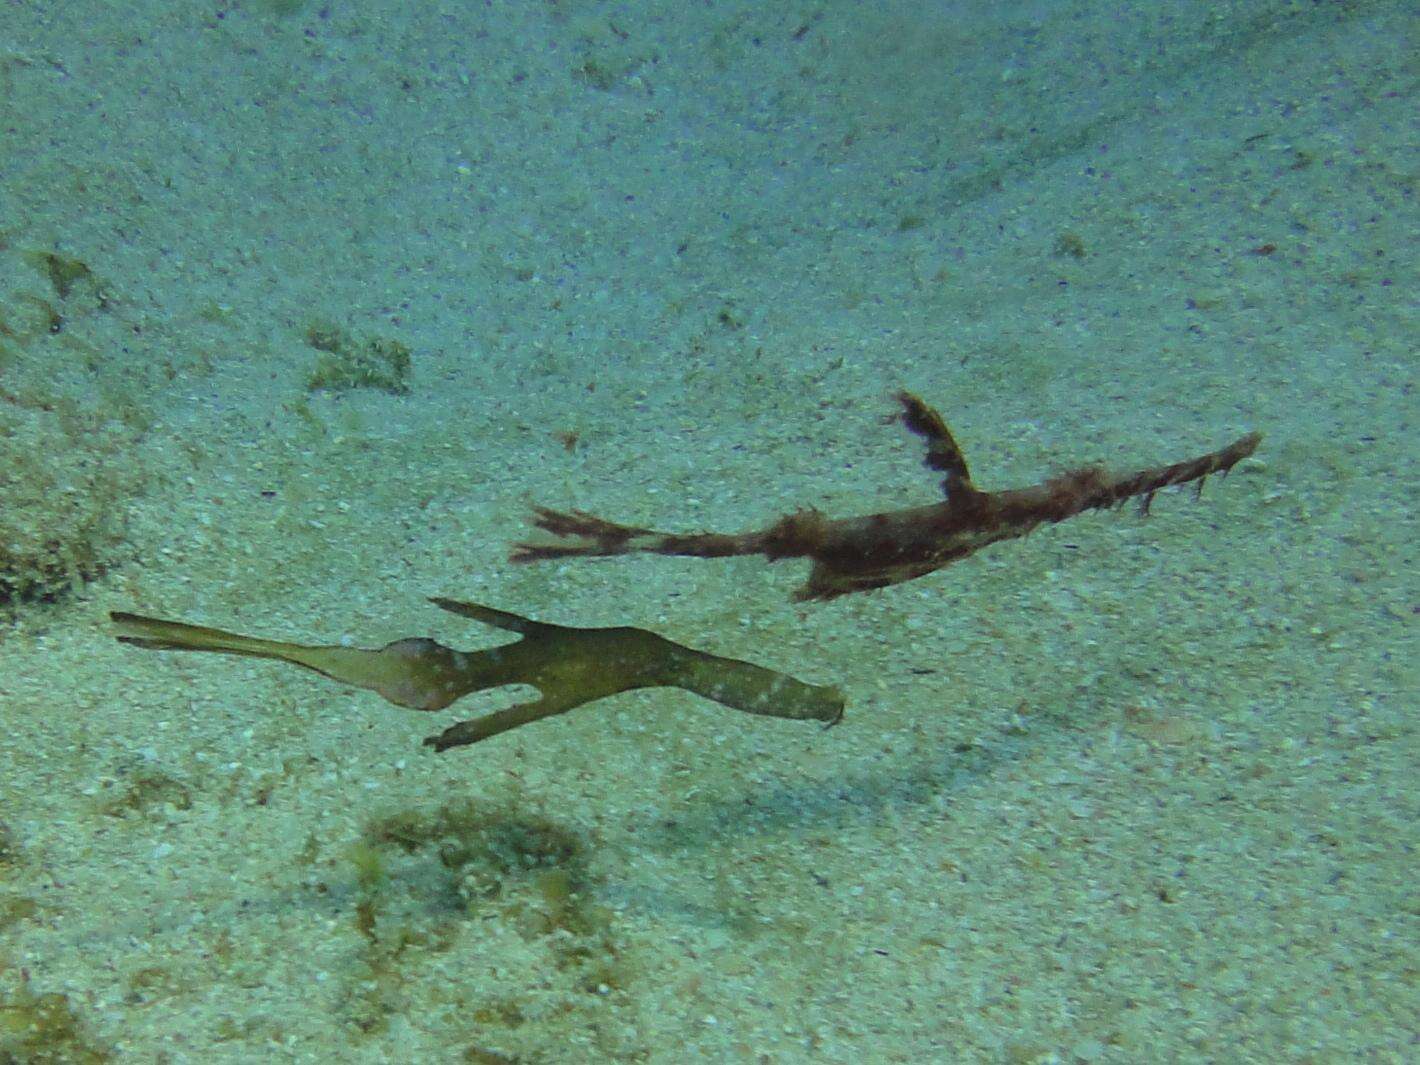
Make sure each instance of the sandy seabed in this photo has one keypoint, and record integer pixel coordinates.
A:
(303, 306)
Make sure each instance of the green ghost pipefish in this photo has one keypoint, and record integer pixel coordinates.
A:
(568, 666)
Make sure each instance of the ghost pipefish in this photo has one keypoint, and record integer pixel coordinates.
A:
(568, 666)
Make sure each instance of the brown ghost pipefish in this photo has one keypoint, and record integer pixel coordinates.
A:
(875, 550)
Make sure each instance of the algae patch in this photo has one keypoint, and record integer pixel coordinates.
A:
(473, 881)
(65, 478)
(348, 361)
